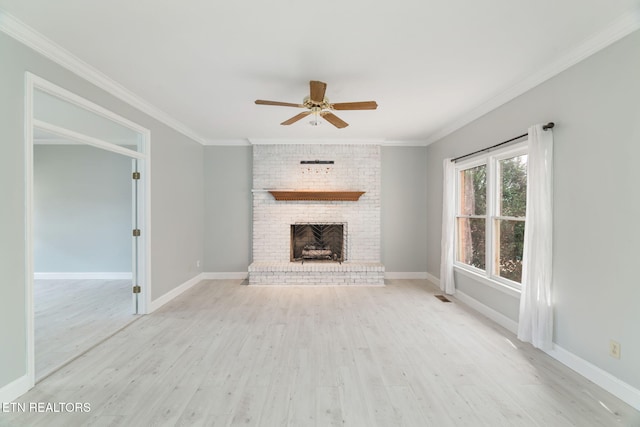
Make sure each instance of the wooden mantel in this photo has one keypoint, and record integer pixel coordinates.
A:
(291, 195)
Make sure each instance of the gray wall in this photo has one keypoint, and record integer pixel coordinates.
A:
(177, 210)
(82, 209)
(177, 204)
(228, 216)
(595, 282)
(404, 209)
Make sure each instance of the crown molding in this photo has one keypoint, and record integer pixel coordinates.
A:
(404, 143)
(228, 142)
(263, 141)
(31, 38)
(623, 26)
(327, 141)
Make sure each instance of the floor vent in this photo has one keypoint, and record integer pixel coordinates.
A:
(443, 298)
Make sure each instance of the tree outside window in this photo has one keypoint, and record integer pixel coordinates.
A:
(510, 216)
(472, 218)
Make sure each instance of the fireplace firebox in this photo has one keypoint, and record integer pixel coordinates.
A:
(318, 242)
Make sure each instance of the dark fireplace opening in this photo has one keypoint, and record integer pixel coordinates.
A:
(317, 242)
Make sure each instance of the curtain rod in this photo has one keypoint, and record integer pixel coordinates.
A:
(549, 125)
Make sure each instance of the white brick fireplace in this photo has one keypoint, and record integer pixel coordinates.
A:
(354, 168)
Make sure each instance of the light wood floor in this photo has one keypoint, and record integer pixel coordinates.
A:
(228, 354)
(71, 316)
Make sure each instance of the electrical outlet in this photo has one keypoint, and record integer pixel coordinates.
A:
(614, 349)
(198, 263)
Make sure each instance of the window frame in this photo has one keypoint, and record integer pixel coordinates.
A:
(491, 160)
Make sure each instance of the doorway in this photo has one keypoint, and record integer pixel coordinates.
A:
(82, 248)
(55, 114)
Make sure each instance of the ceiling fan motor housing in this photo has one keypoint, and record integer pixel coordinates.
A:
(312, 105)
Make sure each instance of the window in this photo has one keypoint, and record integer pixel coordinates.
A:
(472, 216)
(490, 214)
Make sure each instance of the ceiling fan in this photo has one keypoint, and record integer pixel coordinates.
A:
(318, 105)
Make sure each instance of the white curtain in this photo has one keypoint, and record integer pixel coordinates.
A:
(447, 254)
(536, 311)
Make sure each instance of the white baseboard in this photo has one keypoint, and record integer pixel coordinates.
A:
(15, 389)
(382, 285)
(433, 279)
(405, 275)
(233, 275)
(600, 377)
(487, 311)
(84, 276)
(159, 302)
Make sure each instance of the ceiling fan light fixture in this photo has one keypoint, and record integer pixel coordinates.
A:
(315, 121)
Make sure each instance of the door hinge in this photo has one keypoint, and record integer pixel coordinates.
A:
(136, 175)
(136, 232)
(136, 289)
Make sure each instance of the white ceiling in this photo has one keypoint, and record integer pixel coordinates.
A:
(430, 65)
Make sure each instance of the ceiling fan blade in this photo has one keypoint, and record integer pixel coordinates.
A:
(334, 120)
(278, 103)
(363, 105)
(317, 90)
(296, 118)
